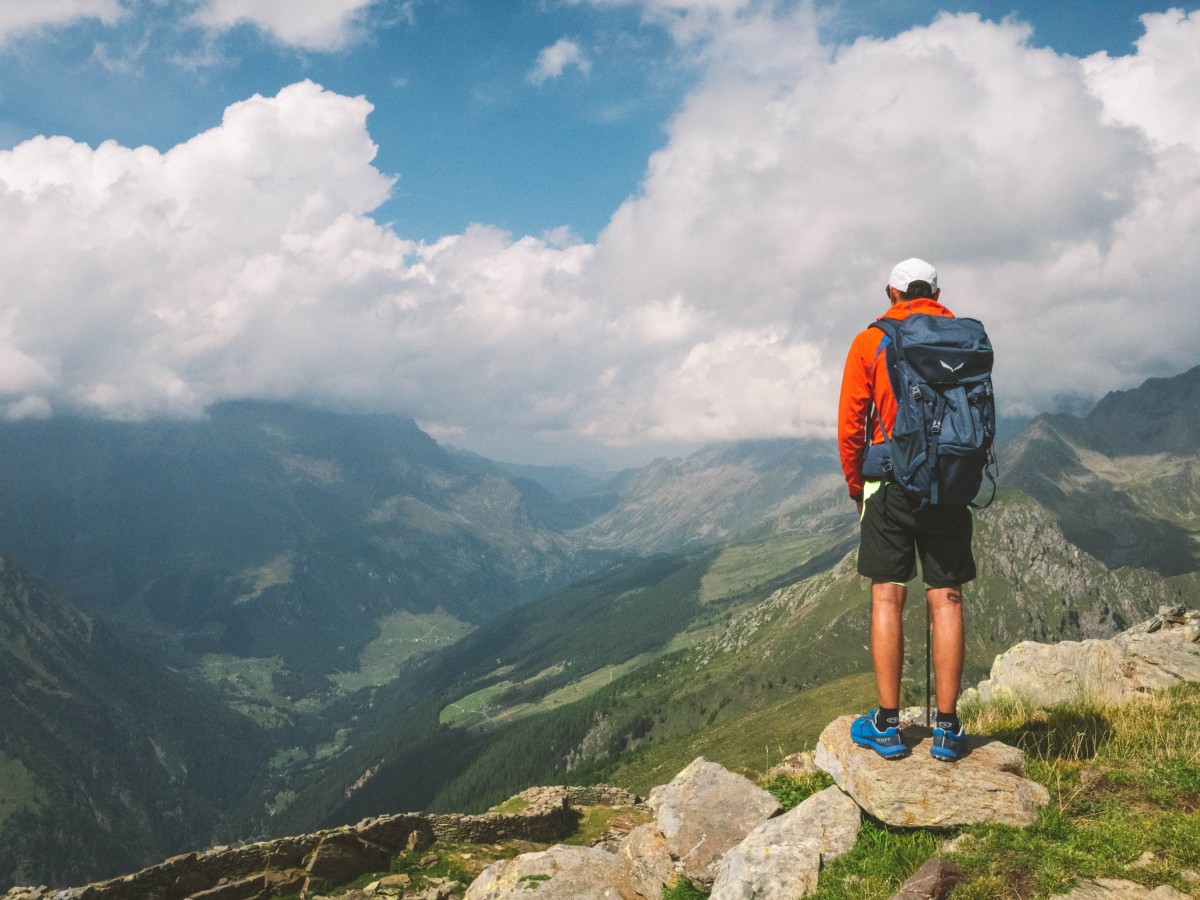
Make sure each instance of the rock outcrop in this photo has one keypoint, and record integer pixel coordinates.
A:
(988, 785)
(560, 873)
(783, 856)
(704, 811)
(1147, 658)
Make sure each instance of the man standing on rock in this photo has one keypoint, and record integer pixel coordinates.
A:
(896, 528)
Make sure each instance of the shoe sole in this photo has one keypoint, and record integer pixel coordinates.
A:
(941, 754)
(884, 751)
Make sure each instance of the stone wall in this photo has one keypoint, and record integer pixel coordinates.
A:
(287, 865)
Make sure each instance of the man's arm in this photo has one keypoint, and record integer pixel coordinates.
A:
(853, 405)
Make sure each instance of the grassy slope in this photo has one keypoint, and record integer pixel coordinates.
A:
(751, 680)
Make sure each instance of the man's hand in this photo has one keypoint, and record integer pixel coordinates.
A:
(858, 503)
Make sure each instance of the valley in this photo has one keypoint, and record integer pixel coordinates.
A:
(371, 623)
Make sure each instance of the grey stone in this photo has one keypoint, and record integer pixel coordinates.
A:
(342, 856)
(781, 859)
(1132, 664)
(987, 785)
(644, 851)
(560, 873)
(706, 810)
(933, 881)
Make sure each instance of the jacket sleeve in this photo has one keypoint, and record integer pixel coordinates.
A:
(853, 406)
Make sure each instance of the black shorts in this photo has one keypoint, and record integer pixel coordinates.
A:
(894, 533)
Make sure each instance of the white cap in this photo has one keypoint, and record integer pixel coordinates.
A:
(912, 270)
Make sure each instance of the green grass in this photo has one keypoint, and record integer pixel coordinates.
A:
(481, 708)
(791, 791)
(246, 685)
(593, 822)
(18, 789)
(750, 743)
(682, 889)
(512, 806)
(402, 635)
(746, 567)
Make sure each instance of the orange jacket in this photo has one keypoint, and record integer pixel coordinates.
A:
(865, 383)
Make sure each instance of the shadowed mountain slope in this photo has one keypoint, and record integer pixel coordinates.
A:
(1123, 481)
(267, 530)
(108, 759)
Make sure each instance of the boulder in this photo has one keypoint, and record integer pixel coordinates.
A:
(782, 857)
(644, 851)
(1132, 664)
(704, 811)
(933, 881)
(342, 856)
(1115, 889)
(987, 785)
(560, 873)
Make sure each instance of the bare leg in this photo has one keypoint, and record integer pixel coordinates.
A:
(887, 639)
(945, 605)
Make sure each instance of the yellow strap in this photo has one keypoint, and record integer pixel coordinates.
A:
(869, 489)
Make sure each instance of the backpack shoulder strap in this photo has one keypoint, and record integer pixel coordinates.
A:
(890, 346)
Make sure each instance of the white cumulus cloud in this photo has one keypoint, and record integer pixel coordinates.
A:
(1059, 198)
(307, 24)
(552, 61)
(18, 17)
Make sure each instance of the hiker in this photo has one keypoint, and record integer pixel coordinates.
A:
(898, 525)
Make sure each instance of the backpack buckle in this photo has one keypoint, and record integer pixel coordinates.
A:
(936, 427)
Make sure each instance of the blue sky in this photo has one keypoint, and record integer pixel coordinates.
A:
(582, 229)
(471, 139)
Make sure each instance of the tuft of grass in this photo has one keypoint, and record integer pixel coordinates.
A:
(593, 822)
(881, 861)
(682, 889)
(512, 806)
(791, 791)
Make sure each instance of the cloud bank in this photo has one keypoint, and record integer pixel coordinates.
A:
(17, 18)
(1059, 198)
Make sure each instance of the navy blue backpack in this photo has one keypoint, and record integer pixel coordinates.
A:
(940, 447)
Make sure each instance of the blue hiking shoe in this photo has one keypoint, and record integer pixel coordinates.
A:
(886, 743)
(948, 746)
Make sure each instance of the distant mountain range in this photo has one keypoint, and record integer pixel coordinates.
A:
(284, 585)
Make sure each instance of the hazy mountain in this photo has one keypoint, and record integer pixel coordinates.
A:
(266, 530)
(108, 759)
(1124, 480)
(712, 495)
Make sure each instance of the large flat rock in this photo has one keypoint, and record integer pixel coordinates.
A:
(704, 811)
(560, 873)
(1132, 664)
(781, 859)
(988, 785)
